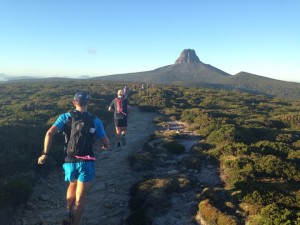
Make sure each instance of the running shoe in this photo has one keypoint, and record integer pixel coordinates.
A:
(118, 147)
(67, 218)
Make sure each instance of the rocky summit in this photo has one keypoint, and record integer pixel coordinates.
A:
(189, 71)
(188, 56)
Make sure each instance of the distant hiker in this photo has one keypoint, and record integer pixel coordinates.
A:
(125, 92)
(79, 128)
(120, 107)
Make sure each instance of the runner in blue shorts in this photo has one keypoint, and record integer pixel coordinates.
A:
(80, 128)
(82, 171)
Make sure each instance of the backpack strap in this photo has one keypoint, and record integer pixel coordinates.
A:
(120, 105)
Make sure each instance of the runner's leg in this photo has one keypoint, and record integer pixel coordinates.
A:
(119, 133)
(71, 194)
(81, 191)
(123, 138)
(123, 130)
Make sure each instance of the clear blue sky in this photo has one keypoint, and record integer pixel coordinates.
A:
(99, 37)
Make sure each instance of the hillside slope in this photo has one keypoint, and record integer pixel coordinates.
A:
(170, 74)
(248, 81)
(189, 71)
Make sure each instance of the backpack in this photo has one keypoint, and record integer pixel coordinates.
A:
(120, 110)
(79, 135)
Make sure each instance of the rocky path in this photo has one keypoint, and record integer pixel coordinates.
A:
(107, 200)
(184, 205)
(108, 197)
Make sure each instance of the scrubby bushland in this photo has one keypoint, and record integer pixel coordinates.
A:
(274, 214)
(27, 110)
(256, 141)
(254, 138)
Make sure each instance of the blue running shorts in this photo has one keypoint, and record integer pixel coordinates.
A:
(82, 171)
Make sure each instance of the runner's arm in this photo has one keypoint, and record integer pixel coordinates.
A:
(47, 143)
(100, 133)
(105, 142)
(111, 107)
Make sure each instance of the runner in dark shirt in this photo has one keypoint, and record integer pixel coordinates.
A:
(120, 107)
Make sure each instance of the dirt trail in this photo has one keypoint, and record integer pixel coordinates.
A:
(107, 200)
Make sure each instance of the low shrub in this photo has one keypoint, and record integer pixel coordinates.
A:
(273, 214)
(212, 216)
(234, 149)
(271, 148)
(276, 167)
(15, 190)
(225, 134)
(141, 161)
(237, 170)
(265, 193)
(158, 120)
(191, 163)
(174, 147)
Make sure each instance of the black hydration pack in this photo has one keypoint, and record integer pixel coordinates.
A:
(79, 135)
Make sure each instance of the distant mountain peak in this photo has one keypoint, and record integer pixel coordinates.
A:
(188, 56)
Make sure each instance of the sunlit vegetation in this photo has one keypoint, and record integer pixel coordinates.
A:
(211, 215)
(254, 139)
(27, 111)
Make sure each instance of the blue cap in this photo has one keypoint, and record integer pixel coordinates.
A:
(82, 97)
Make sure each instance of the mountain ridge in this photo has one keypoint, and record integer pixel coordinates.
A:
(188, 70)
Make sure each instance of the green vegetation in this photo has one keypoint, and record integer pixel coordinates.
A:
(212, 216)
(174, 147)
(27, 110)
(255, 140)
